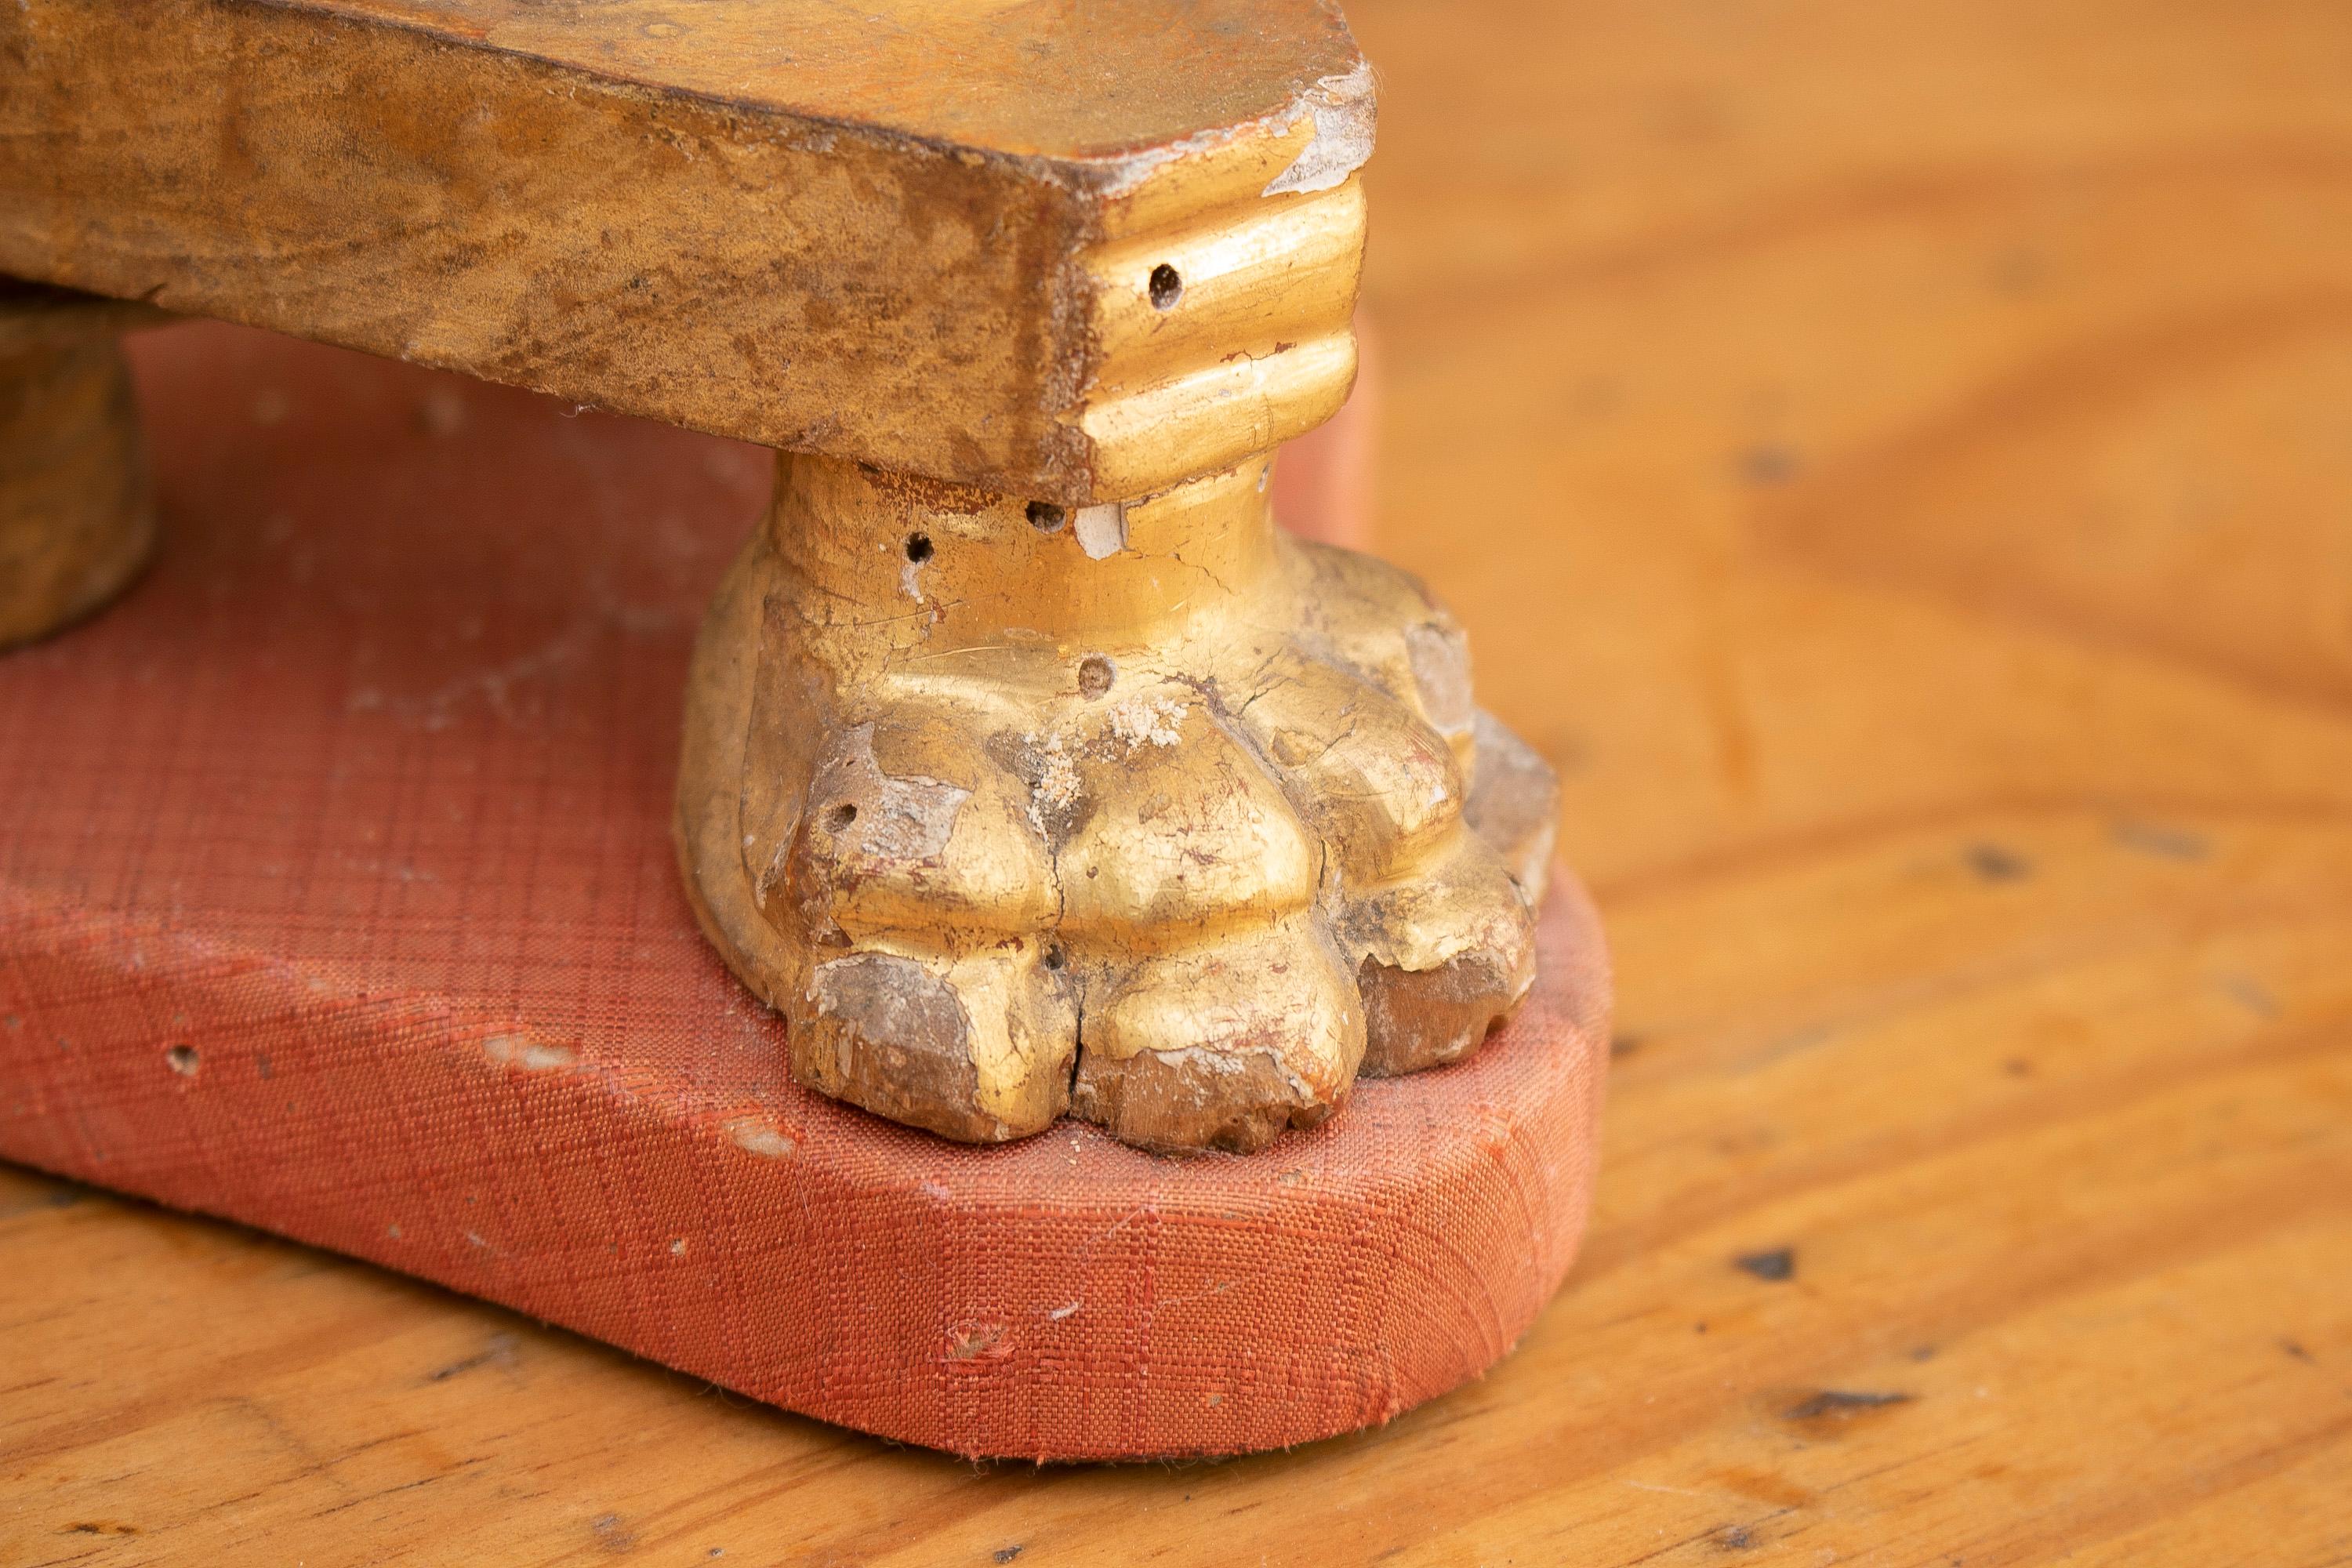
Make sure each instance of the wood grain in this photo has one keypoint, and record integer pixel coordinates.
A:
(1886, 457)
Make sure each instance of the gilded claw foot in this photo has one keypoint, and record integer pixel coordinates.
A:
(1146, 814)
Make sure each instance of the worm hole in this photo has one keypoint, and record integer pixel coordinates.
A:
(1167, 288)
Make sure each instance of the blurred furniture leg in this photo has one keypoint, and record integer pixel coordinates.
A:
(77, 522)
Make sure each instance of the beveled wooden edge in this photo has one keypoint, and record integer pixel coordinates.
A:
(961, 312)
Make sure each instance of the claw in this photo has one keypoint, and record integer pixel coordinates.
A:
(1223, 1046)
(1514, 806)
(979, 1050)
(1379, 786)
(1177, 837)
(1183, 830)
(1447, 954)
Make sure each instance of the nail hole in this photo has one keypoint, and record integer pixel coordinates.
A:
(1095, 674)
(181, 1061)
(1045, 517)
(1054, 959)
(1166, 286)
(918, 547)
(841, 817)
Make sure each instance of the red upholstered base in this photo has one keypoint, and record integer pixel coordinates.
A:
(336, 896)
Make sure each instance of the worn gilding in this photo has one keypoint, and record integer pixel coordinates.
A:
(759, 217)
(1178, 835)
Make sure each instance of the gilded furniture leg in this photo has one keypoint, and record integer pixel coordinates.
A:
(76, 520)
(1147, 813)
(1056, 780)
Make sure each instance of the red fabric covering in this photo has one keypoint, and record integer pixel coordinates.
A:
(336, 897)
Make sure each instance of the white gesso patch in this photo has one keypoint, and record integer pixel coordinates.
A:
(1101, 530)
(913, 818)
(893, 816)
(1149, 719)
(1058, 784)
(1343, 107)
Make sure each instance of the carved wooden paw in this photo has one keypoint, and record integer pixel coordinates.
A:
(1145, 813)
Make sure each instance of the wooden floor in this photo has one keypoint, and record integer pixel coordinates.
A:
(1897, 460)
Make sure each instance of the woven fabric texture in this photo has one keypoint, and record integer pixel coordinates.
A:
(336, 897)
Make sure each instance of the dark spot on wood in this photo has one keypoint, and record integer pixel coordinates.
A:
(99, 1527)
(1780, 1263)
(2157, 839)
(2249, 994)
(1835, 1399)
(499, 1350)
(1698, 1328)
(2015, 272)
(1835, 1410)
(2018, 1066)
(1923, 1352)
(1995, 864)
(2295, 1349)
(611, 1535)
(1623, 1044)
(1007, 1553)
(1768, 465)
(1734, 1538)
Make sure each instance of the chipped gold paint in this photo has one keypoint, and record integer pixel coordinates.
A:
(1059, 781)
(1126, 835)
(762, 218)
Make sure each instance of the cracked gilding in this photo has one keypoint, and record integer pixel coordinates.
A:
(1185, 830)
